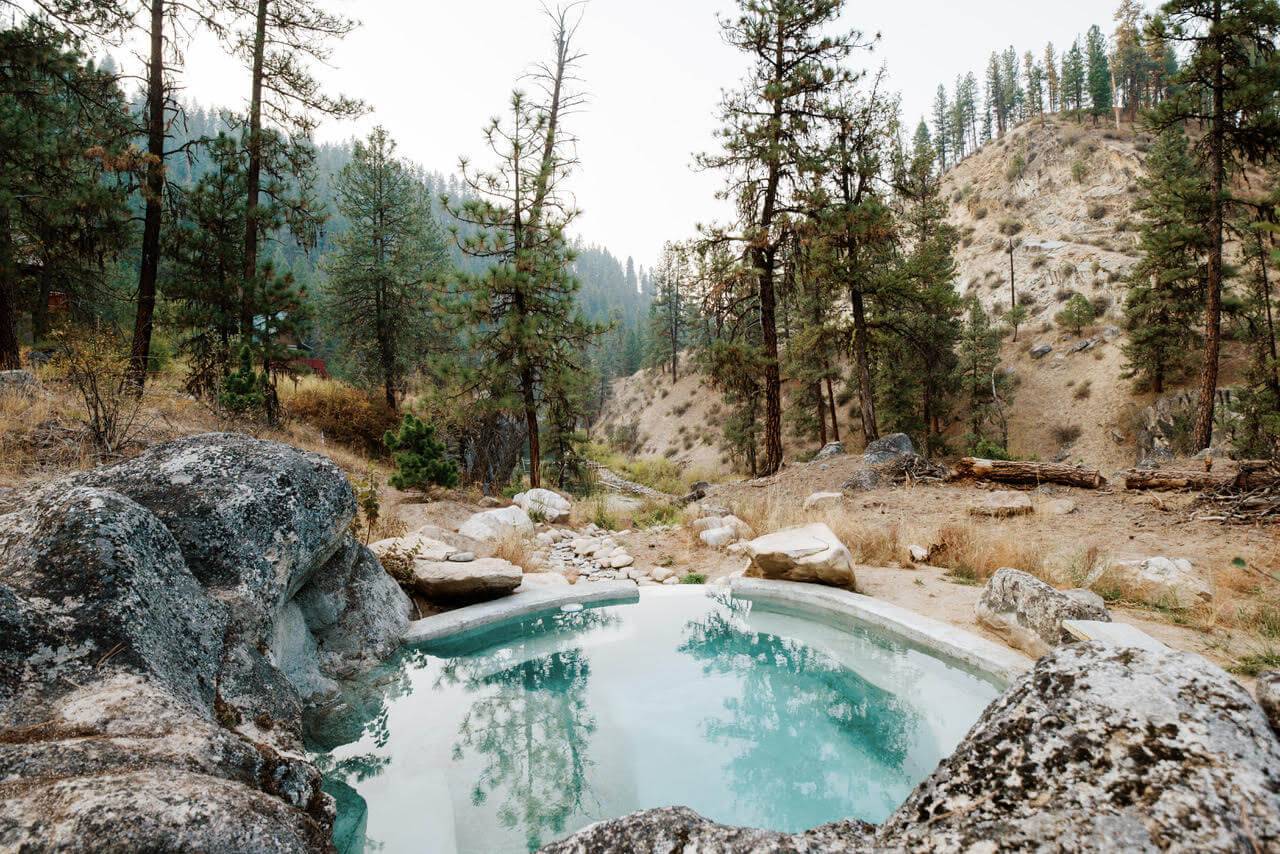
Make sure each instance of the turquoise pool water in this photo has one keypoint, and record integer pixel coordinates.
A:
(508, 738)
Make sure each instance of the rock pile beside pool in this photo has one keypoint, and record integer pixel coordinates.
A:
(1098, 748)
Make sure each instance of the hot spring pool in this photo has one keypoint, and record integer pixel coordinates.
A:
(504, 739)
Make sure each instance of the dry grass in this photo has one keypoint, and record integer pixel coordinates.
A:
(514, 548)
(870, 543)
(974, 553)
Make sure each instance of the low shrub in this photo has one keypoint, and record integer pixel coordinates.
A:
(1067, 434)
(420, 458)
(694, 578)
(1010, 227)
(342, 414)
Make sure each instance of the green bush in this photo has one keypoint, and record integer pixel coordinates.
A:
(694, 578)
(419, 456)
(1076, 314)
(244, 390)
(986, 449)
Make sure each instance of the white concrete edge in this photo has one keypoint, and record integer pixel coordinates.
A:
(965, 647)
(522, 603)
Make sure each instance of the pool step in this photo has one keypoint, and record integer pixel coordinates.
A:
(1115, 634)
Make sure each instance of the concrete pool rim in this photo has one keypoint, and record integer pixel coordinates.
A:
(932, 636)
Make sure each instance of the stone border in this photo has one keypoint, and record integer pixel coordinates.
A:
(522, 603)
(942, 639)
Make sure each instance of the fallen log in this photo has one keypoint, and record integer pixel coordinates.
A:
(1029, 474)
(1251, 475)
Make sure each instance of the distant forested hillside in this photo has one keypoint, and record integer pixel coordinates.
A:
(612, 291)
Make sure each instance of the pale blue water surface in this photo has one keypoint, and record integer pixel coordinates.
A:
(508, 738)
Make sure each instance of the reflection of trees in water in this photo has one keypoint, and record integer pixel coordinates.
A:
(533, 733)
(791, 696)
(532, 727)
(530, 722)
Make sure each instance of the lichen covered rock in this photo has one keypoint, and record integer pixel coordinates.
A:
(670, 830)
(1028, 613)
(1106, 748)
(162, 623)
(89, 577)
(253, 519)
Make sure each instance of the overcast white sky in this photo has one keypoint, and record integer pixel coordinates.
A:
(436, 71)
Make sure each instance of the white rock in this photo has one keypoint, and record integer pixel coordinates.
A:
(823, 499)
(662, 573)
(415, 545)
(741, 529)
(719, 537)
(1163, 580)
(810, 553)
(549, 506)
(737, 548)
(543, 579)
(707, 523)
(1059, 507)
(621, 561)
(671, 580)
(493, 524)
(1002, 504)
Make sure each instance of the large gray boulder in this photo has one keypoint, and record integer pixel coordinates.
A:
(1098, 748)
(162, 625)
(669, 830)
(88, 577)
(888, 448)
(254, 519)
(355, 610)
(1028, 613)
(1104, 748)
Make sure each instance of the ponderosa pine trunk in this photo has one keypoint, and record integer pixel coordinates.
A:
(253, 176)
(10, 357)
(1213, 296)
(862, 364)
(831, 402)
(531, 424)
(822, 412)
(153, 190)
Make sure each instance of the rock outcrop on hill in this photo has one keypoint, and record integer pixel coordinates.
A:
(165, 621)
(1097, 748)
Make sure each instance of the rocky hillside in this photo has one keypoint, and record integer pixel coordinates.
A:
(1062, 194)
